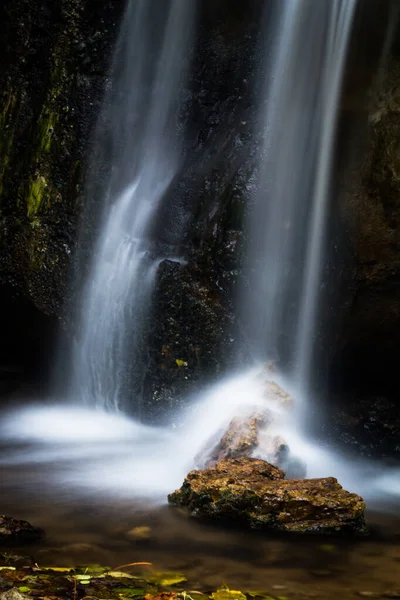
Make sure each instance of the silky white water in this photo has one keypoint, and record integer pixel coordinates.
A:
(90, 449)
(141, 111)
(288, 224)
(86, 451)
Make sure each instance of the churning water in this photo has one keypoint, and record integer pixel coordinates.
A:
(81, 451)
(142, 114)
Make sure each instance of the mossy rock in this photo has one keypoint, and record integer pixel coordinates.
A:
(253, 492)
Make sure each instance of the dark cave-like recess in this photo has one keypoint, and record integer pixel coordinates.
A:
(28, 338)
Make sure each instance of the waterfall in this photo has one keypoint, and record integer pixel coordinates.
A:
(141, 115)
(288, 225)
(305, 58)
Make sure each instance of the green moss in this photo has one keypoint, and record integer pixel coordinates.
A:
(36, 195)
(46, 126)
(9, 107)
(35, 223)
(8, 116)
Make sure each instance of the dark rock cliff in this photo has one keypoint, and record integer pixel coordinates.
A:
(54, 62)
(55, 59)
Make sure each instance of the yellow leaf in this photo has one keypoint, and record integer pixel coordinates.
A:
(181, 363)
(166, 579)
(119, 574)
(226, 594)
(57, 569)
(83, 578)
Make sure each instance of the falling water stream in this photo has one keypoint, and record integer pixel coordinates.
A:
(288, 223)
(88, 448)
(142, 112)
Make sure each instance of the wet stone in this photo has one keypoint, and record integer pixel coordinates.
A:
(14, 530)
(252, 492)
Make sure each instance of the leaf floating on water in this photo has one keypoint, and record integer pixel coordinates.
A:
(7, 567)
(94, 570)
(119, 574)
(227, 594)
(83, 578)
(57, 569)
(167, 579)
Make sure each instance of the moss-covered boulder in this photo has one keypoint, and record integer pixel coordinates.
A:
(16, 531)
(252, 492)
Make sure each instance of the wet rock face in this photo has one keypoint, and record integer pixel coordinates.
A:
(14, 531)
(365, 426)
(55, 62)
(366, 351)
(252, 492)
(191, 336)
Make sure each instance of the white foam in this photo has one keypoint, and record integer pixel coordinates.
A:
(93, 451)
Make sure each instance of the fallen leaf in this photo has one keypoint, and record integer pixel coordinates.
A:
(162, 579)
(119, 574)
(227, 594)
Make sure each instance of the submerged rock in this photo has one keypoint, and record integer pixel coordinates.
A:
(13, 530)
(252, 492)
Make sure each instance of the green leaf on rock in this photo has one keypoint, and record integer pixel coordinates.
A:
(24, 589)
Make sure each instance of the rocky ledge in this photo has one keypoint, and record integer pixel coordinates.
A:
(15, 531)
(252, 492)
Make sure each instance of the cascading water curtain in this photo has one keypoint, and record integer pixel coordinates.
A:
(299, 110)
(141, 114)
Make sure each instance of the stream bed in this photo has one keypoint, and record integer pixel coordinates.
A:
(88, 528)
